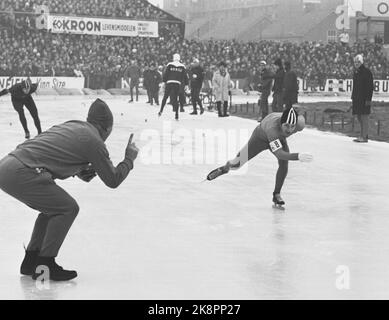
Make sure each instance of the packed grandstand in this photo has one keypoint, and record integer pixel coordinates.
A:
(29, 51)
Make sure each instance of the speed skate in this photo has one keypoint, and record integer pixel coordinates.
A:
(278, 202)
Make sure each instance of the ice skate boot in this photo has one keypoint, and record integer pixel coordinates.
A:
(219, 171)
(278, 202)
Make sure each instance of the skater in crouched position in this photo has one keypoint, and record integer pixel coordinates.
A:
(20, 97)
(270, 134)
(74, 148)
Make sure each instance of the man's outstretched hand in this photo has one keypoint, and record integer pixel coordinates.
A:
(131, 150)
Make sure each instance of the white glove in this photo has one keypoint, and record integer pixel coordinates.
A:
(305, 157)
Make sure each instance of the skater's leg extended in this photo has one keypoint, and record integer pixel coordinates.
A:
(252, 148)
(18, 106)
(30, 105)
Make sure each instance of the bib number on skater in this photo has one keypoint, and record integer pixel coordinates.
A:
(275, 145)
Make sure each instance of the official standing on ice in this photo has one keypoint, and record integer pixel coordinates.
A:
(20, 97)
(264, 87)
(175, 76)
(221, 85)
(155, 80)
(361, 96)
(290, 88)
(196, 77)
(74, 148)
(146, 82)
(277, 103)
(133, 74)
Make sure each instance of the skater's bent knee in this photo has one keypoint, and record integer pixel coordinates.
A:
(283, 165)
(72, 208)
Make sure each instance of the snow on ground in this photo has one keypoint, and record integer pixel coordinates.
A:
(165, 234)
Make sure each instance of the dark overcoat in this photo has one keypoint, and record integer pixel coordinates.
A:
(363, 88)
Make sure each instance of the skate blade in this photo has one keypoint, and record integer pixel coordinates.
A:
(215, 174)
(279, 207)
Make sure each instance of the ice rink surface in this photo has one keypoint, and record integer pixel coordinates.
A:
(164, 234)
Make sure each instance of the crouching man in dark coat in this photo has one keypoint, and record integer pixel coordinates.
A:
(74, 148)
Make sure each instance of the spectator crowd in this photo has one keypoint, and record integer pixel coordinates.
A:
(135, 9)
(24, 50)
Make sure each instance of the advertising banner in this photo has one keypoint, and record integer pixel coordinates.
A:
(102, 26)
(46, 82)
(341, 86)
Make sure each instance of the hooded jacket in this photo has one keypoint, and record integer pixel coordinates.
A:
(176, 73)
(66, 149)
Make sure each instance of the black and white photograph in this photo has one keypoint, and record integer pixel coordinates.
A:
(219, 151)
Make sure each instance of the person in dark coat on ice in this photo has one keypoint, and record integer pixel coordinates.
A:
(361, 96)
(290, 87)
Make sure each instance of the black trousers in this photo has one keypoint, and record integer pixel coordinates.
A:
(154, 97)
(134, 84)
(182, 99)
(195, 96)
(149, 97)
(172, 90)
(39, 191)
(264, 104)
(29, 103)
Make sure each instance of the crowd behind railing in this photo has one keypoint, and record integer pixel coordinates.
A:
(136, 9)
(24, 50)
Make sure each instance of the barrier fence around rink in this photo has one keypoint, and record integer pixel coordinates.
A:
(322, 117)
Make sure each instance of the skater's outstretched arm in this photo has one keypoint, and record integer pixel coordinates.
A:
(283, 155)
(287, 156)
(4, 92)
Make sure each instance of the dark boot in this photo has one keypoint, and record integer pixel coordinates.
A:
(29, 262)
(225, 108)
(56, 272)
(219, 111)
